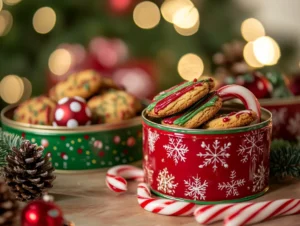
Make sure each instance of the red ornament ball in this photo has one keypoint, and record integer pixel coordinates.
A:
(72, 112)
(260, 86)
(41, 213)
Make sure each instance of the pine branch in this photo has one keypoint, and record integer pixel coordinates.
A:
(284, 160)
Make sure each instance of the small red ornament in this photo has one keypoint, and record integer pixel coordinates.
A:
(72, 112)
(120, 7)
(42, 213)
(257, 84)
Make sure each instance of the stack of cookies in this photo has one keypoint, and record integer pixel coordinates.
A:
(195, 104)
(107, 102)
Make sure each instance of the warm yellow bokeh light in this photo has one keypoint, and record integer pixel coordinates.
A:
(190, 66)
(1, 5)
(186, 17)
(249, 56)
(146, 15)
(6, 22)
(27, 89)
(266, 50)
(252, 29)
(60, 62)
(11, 2)
(44, 20)
(189, 31)
(11, 89)
(170, 7)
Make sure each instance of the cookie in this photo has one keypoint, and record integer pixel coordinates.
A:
(179, 98)
(114, 106)
(83, 84)
(196, 115)
(232, 120)
(38, 110)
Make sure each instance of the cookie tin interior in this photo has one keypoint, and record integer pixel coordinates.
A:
(266, 118)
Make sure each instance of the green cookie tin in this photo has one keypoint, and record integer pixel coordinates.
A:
(83, 148)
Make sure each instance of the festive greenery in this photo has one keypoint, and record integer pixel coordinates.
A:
(284, 160)
(7, 142)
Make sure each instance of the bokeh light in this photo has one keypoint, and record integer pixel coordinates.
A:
(250, 57)
(60, 62)
(6, 22)
(27, 89)
(252, 29)
(266, 50)
(44, 20)
(186, 17)
(170, 7)
(190, 66)
(1, 5)
(11, 2)
(146, 15)
(11, 89)
(189, 31)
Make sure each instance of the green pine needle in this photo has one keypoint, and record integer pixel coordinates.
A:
(284, 160)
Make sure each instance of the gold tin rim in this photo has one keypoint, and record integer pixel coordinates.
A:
(280, 101)
(65, 130)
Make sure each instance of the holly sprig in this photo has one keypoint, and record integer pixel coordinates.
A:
(284, 160)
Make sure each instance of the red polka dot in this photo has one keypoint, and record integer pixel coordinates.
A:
(23, 135)
(86, 137)
(79, 151)
(62, 137)
(101, 153)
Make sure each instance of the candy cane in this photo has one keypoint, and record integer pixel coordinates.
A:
(247, 97)
(163, 206)
(117, 175)
(262, 211)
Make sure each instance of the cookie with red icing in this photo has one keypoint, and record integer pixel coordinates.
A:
(197, 114)
(38, 110)
(179, 98)
(232, 120)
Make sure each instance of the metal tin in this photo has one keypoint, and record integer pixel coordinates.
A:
(82, 148)
(286, 116)
(207, 166)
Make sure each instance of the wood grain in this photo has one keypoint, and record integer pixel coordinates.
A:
(86, 201)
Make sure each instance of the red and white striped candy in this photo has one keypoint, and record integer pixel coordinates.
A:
(246, 96)
(117, 175)
(163, 206)
(257, 212)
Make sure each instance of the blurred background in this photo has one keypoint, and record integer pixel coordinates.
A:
(146, 46)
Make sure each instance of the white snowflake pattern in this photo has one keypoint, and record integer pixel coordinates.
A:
(195, 189)
(176, 150)
(152, 138)
(215, 154)
(251, 147)
(293, 125)
(166, 182)
(279, 117)
(232, 186)
(148, 174)
(259, 178)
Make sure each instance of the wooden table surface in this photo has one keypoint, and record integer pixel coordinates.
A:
(86, 201)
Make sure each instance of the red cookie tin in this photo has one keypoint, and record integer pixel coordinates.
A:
(207, 166)
(286, 116)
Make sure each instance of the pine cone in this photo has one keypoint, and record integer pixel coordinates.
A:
(230, 62)
(28, 173)
(8, 206)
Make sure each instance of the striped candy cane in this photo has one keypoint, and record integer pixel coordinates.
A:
(257, 212)
(117, 175)
(163, 206)
(246, 96)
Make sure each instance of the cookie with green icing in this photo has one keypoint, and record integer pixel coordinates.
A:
(199, 113)
(179, 98)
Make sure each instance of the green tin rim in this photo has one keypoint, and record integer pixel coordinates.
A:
(212, 202)
(65, 130)
(267, 115)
